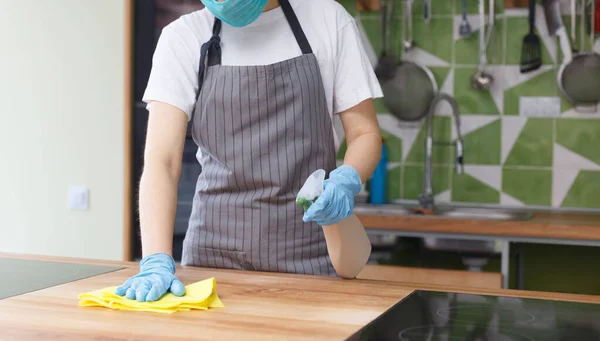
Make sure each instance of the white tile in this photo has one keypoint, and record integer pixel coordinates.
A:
(507, 200)
(489, 175)
(512, 126)
(407, 132)
(562, 180)
(470, 123)
(507, 77)
(444, 197)
(568, 159)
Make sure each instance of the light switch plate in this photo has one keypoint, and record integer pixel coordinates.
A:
(78, 198)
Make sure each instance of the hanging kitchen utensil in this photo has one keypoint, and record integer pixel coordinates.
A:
(427, 11)
(481, 80)
(573, 20)
(531, 52)
(408, 43)
(465, 26)
(579, 75)
(387, 61)
(410, 88)
(582, 27)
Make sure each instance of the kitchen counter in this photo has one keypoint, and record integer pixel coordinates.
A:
(258, 306)
(574, 226)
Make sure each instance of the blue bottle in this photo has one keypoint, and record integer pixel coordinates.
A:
(378, 180)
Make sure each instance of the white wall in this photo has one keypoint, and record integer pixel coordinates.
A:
(61, 124)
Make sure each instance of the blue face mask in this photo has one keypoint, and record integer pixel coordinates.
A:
(238, 13)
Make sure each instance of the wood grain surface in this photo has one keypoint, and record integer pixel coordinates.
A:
(456, 278)
(541, 225)
(258, 306)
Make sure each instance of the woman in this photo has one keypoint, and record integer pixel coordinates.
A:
(260, 82)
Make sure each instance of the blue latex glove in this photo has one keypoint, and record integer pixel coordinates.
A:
(156, 277)
(336, 203)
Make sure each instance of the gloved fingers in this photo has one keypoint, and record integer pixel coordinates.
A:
(122, 289)
(134, 284)
(154, 294)
(130, 293)
(142, 291)
(156, 290)
(177, 287)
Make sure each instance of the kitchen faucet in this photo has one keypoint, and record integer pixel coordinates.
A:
(426, 198)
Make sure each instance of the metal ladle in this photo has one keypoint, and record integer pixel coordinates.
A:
(482, 80)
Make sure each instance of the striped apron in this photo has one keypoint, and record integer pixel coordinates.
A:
(261, 131)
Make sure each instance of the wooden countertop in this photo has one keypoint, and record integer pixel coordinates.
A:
(259, 306)
(575, 226)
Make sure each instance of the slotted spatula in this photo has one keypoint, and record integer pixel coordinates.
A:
(531, 52)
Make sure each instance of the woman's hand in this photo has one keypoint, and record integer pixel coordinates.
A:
(156, 278)
(336, 203)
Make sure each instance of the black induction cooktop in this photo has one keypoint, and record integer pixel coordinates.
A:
(438, 316)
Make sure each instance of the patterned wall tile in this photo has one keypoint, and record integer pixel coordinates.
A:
(580, 136)
(466, 51)
(467, 189)
(542, 85)
(434, 37)
(482, 146)
(372, 26)
(394, 183)
(472, 101)
(440, 74)
(534, 145)
(413, 180)
(584, 192)
(532, 187)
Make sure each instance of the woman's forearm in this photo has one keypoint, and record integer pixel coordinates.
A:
(157, 207)
(363, 154)
(363, 138)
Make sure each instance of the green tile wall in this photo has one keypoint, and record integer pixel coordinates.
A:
(524, 143)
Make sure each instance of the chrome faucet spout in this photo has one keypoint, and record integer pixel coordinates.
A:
(426, 199)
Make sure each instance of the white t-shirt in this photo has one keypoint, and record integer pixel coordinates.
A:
(348, 76)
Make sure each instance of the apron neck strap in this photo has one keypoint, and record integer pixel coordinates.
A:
(292, 20)
(210, 53)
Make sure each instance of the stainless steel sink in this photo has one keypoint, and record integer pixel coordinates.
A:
(483, 213)
(476, 213)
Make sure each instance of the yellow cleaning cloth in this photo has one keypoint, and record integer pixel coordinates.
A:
(198, 296)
